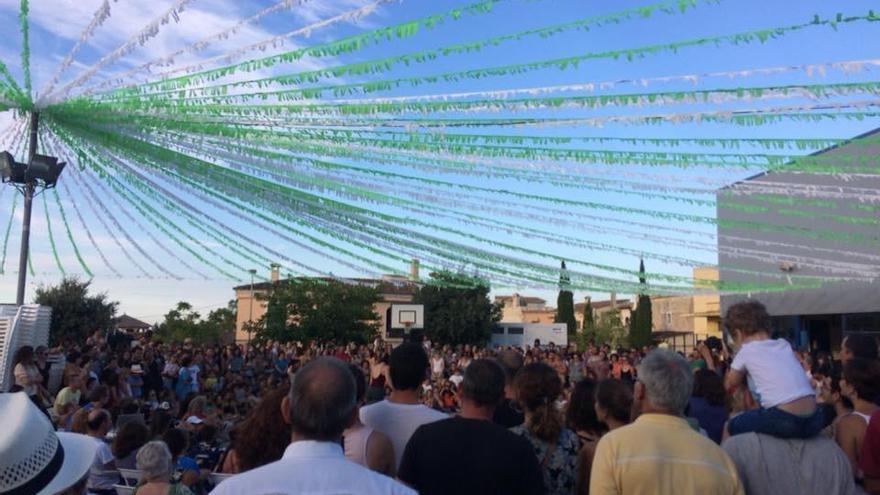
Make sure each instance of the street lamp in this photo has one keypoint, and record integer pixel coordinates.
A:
(253, 272)
(40, 172)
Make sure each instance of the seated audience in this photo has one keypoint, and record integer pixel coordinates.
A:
(261, 438)
(34, 459)
(103, 474)
(155, 463)
(186, 469)
(131, 437)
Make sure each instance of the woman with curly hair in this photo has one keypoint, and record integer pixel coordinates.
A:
(556, 447)
(131, 437)
(261, 438)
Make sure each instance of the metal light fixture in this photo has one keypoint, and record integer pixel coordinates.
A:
(39, 173)
(44, 170)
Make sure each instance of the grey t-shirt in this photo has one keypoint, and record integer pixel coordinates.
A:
(772, 466)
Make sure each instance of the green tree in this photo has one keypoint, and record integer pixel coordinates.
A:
(610, 330)
(316, 309)
(565, 303)
(75, 312)
(221, 321)
(457, 308)
(183, 322)
(640, 323)
(589, 322)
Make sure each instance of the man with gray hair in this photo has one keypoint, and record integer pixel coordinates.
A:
(660, 452)
(322, 403)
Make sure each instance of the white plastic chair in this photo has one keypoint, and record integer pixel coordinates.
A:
(216, 478)
(123, 490)
(131, 476)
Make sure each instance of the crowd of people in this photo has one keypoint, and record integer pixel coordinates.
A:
(753, 416)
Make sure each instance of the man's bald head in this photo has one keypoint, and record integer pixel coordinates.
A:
(511, 362)
(322, 399)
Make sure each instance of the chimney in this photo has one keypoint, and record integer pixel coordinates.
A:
(613, 300)
(414, 270)
(274, 274)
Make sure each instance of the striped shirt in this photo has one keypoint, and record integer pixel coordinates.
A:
(660, 453)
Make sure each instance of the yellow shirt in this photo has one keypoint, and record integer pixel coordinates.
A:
(661, 454)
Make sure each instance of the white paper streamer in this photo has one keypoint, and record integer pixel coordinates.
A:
(138, 39)
(197, 46)
(101, 15)
(233, 55)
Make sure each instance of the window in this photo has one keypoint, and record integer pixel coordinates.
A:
(515, 331)
(498, 330)
(667, 318)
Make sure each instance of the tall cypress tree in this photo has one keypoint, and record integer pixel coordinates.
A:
(640, 323)
(565, 302)
(589, 322)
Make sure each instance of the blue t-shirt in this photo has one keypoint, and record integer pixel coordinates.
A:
(185, 463)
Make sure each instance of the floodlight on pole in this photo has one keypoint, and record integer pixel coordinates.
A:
(39, 173)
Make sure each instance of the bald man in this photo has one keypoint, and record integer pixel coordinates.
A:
(322, 403)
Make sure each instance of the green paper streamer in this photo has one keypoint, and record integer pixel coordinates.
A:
(25, 49)
(353, 43)
(383, 65)
(6, 236)
(70, 235)
(52, 238)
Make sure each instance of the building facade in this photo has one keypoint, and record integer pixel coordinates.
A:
(817, 234)
(393, 289)
(525, 309)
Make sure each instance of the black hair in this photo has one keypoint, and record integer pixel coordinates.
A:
(864, 376)
(616, 398)
(709, 386)
(581, 414)
(861, 345)
(483, 382)
(360, 381)
(408, 366)
(748, 317)
(176, 440)
(94, 423)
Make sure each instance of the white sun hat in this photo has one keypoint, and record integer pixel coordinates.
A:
(33, 458)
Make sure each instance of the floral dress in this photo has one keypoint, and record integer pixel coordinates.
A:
(561, 467)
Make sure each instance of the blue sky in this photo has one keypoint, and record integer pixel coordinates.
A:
(55, 25)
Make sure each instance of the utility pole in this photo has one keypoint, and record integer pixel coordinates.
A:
(28, 191)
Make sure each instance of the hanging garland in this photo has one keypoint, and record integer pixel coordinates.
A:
(100, 15)
(170, 87)
(229, 57)
(85, 226)
(25, 47)
(405, 30)
(52, 239)
(69, 233)
(6, 235)
(138, 39)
